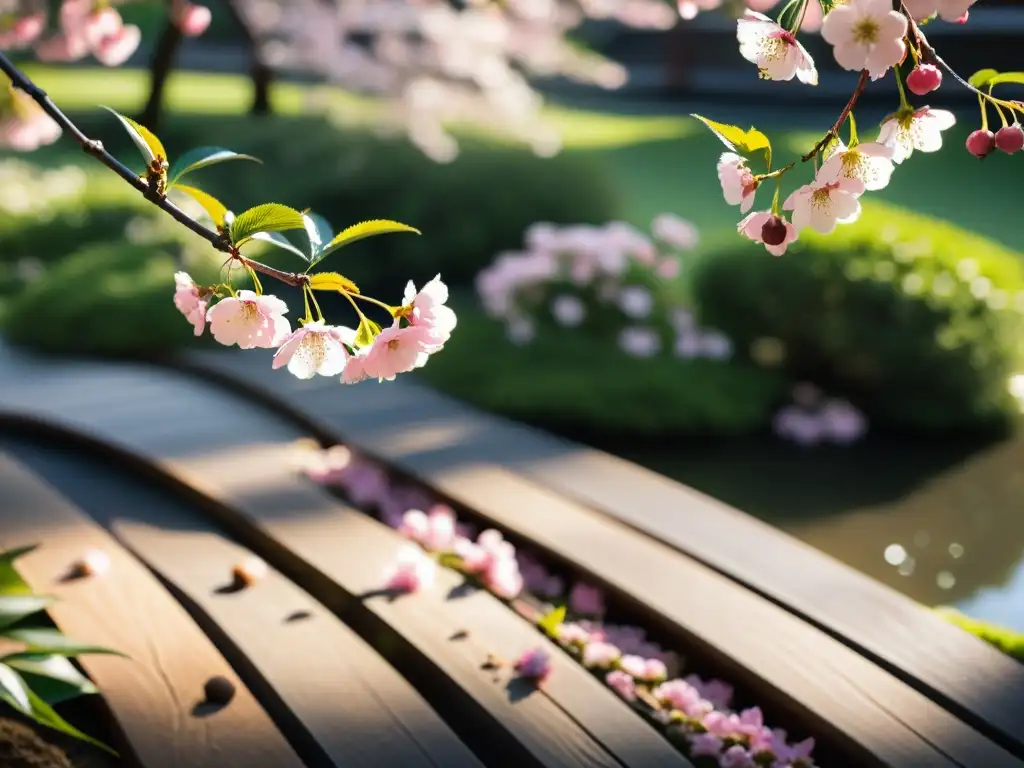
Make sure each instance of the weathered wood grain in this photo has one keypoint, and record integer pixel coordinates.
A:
(156, 696)
(339, 554)
(429, 433)
(339, 701)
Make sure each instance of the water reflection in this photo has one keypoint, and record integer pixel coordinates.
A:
(941, 522)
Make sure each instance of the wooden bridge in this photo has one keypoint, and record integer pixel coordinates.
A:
(180, 470)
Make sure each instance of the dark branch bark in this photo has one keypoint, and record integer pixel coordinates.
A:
(159, 70)
(262, 76)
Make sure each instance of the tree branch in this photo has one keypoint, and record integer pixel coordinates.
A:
(95, 149)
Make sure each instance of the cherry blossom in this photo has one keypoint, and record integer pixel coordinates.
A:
(412, 571)
(190, 18)
(675, 232)
(534, 664)
(824, 203)
(586, 599)
(315, 348)
(23, 124)
(85, 30)
(953, 11)
(919, 129)
(866, 34)
(398, 350)
(190, 301)
(355, 368)
(705, 744)
(601, 655)
(870, 163)
(775, 51)
(22, 31)
(568, 311)
(429, 311)
(435, 532)
(249, 320)
(738, 183)
(754, 225)
(622, 684)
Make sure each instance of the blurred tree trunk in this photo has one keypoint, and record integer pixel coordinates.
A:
(261, 75)
(159, 69)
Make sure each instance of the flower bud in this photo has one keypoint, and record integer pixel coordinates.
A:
(1010, 138)
(981, 142)
(774, 231)
(924, 79)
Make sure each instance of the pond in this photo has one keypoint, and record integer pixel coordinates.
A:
(941, 521)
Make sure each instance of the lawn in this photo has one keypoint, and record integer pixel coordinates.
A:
(661, 162)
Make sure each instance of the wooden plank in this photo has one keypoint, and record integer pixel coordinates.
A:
(405, 422)
(340, 554)
(340, 701)
(156, 697)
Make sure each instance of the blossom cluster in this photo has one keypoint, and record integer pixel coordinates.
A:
(812, 419)
(640, 670)
(439, 63)
(76, 29)
(874, 38)
(251, 320)
(611, 279)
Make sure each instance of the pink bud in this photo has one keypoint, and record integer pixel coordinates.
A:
(1010, 138)
(191, 19)
(534, 664)
(981, 142)
(924, 79)
(773, 232)
(963, 19)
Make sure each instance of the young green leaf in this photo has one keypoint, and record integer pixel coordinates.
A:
(549, 622)
(738, 140)
(203, 157)
(366, 332)
(14, 691)
(282, 242)
(332, 281)
(1006, 77)
(14, 608)
(363, 230)
(52, 641)
(53, 678)
(214, 208)
(11, 582)
(269, 217)
(318, 230)
(147, 142)
(44, 714)
(982, 77)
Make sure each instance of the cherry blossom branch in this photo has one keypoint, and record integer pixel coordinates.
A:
(833, 132)
(95, 149)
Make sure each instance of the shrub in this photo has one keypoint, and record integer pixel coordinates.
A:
(1006, 640)
(916, 321)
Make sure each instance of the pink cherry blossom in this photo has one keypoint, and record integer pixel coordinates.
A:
(440, 532)
(248, 320)
(355, 368)
(952, 11)
(397, 350)
(190, 18)
(622, 684)
(824, 203)
(753, 227)
(736, 756)
(600, 655)
(114, 50)
(866, 34)
(413, 570)
(919, 129)
(775, 51)
(189, 301)
(502, 578)
(414, 525)
(430, 312)
(568, 311)
(738, 183)
(871, 163)
(679, 694)
(841, 422)
(675, 232)
(315, 348)
(534, 664)
(586, 599)
(475, 558)
(688, 9)
(705, 744)
(24, 31)
(717, 692)
(572, 634)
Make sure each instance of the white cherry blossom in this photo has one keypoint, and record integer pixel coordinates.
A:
(824, 203)
(866, 34)
(775, 51)
(738, 183)
(920, 129)
(870, 162)
(248, 320)
(315, 348)
(948, 10)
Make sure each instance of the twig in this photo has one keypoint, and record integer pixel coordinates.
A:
(95, 148)
(834, 130)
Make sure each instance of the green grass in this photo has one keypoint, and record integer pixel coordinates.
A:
(662, 163)
(1006, 640)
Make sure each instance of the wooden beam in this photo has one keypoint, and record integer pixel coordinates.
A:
(429, 433)
(338, 700)
(156, 696)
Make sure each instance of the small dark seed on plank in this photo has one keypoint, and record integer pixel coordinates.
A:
(219, 690)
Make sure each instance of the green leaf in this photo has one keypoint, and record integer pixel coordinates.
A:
(318, 230)
(214, 208)
(54, 678)
(981, 78)
(738, 140)
(1006, 77)
(11, 582)
(16, 692)
(203, 157)
(52, 641)
(332, 281)
(14, 608)
(147, 142)
(363, 230)
(549, 623)
(279, 240)
(366, 332)
(269, 217)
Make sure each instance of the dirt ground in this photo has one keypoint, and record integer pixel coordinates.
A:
(26, 745)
